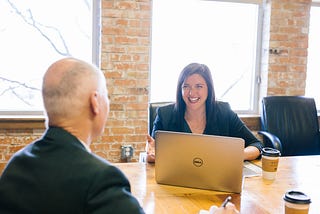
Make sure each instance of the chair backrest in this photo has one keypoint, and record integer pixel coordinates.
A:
(294, 120)
(153, 112)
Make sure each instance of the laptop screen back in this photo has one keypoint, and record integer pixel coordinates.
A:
(199, 161)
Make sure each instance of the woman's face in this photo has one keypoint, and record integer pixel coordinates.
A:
(194, 91)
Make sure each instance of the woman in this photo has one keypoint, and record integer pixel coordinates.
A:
(197, 111)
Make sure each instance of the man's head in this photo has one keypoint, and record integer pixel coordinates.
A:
(75, 92)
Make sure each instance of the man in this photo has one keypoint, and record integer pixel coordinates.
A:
(58, 173)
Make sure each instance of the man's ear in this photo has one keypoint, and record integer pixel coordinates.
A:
(94, 102)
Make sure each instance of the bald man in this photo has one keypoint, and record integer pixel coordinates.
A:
(58, 173)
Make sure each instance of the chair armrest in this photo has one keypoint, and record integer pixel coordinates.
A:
(275, 141)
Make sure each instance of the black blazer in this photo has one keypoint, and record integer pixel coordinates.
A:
(56, 174)
(224, 122)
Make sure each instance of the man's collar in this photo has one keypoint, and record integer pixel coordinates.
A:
(85, 146)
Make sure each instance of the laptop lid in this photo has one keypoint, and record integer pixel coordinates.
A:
(199, 161)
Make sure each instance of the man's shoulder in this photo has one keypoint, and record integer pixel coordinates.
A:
(98, 163)
(25, 151)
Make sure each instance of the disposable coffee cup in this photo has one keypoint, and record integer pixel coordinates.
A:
(296, 202)
(270, 160)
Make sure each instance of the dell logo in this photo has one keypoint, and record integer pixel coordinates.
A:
(197, 162)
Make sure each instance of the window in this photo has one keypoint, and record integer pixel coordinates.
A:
(33, 35)
(222, 35)
(312, 87)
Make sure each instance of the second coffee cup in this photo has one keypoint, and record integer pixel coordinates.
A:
(296, 202)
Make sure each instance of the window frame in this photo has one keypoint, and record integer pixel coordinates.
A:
(256, 87)
(314, 3)
(96, 59)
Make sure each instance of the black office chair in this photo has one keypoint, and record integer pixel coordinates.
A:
(153, 112)
(290, 124)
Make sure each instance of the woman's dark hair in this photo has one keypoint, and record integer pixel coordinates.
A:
(204, 71)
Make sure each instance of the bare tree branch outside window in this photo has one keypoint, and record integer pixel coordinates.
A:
(33, 35)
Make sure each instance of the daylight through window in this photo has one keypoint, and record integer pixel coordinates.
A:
(222, 35)
(33, 35)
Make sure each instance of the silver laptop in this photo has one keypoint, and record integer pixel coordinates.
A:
(199, 161)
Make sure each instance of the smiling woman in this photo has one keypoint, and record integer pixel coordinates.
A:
(196, 110)
(32, 36)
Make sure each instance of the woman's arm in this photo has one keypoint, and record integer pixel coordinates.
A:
(237, 128)
(251, 153)
(161, 122)
(150, 149)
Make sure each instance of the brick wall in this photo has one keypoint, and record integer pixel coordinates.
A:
(289, 26)
(125, 61)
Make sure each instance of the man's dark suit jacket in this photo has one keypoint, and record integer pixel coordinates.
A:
(56, 174)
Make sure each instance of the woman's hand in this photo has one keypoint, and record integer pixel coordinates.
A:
(150, 149)
(251, 153)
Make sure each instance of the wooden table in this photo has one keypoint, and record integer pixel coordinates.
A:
(258, 196)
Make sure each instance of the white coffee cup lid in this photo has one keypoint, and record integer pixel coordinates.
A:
(267, 151)
(297, 197)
